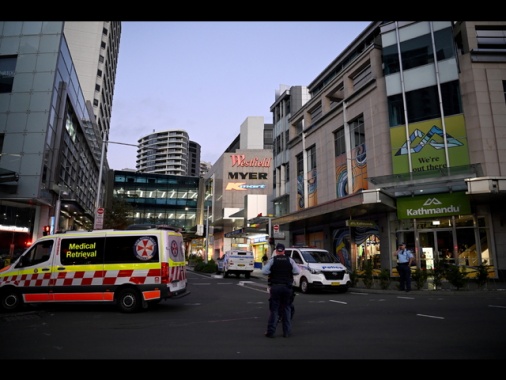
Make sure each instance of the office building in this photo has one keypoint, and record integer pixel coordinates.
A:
(50, 137)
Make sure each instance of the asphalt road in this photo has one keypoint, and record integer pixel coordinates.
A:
(226, 319)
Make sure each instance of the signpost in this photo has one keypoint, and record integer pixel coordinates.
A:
(99, 219)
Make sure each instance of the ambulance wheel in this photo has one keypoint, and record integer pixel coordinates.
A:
(10, 300)
(129, 300)
(247, 275)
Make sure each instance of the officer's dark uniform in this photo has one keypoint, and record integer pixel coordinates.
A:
(281, 295)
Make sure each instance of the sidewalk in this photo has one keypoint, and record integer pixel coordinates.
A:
(471, 288)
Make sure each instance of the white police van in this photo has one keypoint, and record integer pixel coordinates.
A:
(236, 262)
(318, 270)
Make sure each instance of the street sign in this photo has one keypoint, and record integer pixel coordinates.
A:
(99, 218)
(275, 228)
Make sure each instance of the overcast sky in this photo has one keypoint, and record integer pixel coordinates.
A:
(208, 77)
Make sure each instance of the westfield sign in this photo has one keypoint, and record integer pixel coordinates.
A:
(240, 161)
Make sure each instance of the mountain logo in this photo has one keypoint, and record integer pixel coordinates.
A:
(432, 201)
(428, 139)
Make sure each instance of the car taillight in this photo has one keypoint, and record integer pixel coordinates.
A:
(165, 273)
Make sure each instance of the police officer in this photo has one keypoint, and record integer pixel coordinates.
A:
(280, 269)
(404, 260)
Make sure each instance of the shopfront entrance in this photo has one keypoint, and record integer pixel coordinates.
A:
(435, 245)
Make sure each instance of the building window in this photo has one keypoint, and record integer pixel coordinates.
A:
(316, 113)
(311, 158)
(362, 77)
(300, 165)
(418, 51)
(357, 133)
(7, 69)
(339, 142)
(491, 39)
(423, 104)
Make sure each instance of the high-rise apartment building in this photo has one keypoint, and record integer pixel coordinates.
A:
(168, 152)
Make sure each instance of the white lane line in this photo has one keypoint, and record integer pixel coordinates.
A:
(429, 316)
(344, 303)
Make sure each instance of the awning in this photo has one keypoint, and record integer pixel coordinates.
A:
(8, 176)
(358, 205)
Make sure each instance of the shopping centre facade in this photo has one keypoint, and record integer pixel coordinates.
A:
(400, 139)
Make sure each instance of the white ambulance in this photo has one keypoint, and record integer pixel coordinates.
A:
(129, 268)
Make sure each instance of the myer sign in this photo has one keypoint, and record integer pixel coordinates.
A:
(433, 205)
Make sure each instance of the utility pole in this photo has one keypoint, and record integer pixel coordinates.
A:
(207, 235)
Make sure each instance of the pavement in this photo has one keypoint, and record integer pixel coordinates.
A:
(470, 288)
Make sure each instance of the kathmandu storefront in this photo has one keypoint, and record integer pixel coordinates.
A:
(442, 227)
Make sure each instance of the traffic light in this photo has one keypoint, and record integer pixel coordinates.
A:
(46, 230)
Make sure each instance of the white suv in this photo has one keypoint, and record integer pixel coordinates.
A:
(318, 270)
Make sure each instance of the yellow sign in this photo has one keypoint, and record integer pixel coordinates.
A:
(360, 223)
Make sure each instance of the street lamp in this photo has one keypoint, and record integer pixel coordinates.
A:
(100, 174)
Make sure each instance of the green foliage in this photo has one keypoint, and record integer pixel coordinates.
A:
(482, 276)
(209, 267)
(384, 278)
(438, 273)
(368, 274)
(354, 278)
(419, 277)
(116, 217)
(456, 275)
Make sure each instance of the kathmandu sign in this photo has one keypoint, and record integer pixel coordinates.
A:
(433, 205)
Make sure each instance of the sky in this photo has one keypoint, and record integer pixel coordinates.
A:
(208, 77)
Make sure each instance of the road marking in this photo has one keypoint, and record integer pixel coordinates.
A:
(429, 316)
(345, 303)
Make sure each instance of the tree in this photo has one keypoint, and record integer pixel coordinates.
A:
(116, 217)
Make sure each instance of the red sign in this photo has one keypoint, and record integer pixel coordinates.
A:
(275, 227)
(100, 211)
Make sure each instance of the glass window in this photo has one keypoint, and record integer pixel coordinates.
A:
(357, 133)
(311, 157)
(7, 69)
(339, 142)
(423, 104)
